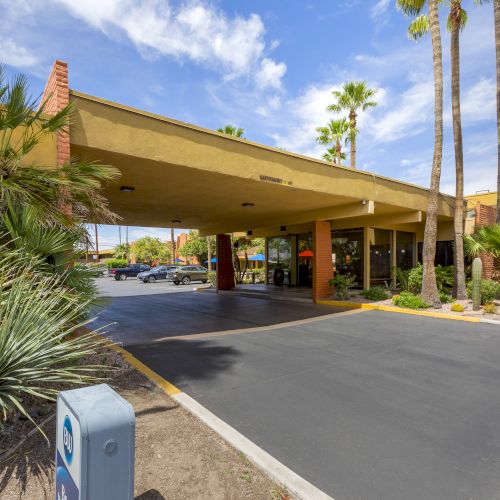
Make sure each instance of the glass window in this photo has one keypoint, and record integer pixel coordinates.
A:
(380, 256)
(444, 253)
(404, 249)
(279, 255)
(347, 253)
(305, 260)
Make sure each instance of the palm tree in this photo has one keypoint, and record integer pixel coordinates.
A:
(418, 27)
(23, 125)
(232, 130)
(456, 21)
(331, 155)
(486, 239)
(353, 97)
(496, 16)
(121, 251)
(333, 133)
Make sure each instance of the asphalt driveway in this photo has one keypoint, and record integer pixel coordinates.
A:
(365, 406)
(137, 313)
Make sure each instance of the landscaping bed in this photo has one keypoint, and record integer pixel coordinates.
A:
(177, 456)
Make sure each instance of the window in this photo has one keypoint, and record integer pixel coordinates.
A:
(347, 253)
(380, 256)
(444, 253)
(279, 252)
(404, 250)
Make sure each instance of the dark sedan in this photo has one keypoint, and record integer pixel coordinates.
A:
(157, 273)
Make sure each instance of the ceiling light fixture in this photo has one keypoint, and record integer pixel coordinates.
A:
(127, 189)
(248, 204)
(176, 221)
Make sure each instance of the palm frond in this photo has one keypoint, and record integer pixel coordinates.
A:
(419, 27)
(410, 7)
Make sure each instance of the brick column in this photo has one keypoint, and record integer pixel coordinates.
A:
(485, 216)
(56, 98)
(225, 273)
(322, 260)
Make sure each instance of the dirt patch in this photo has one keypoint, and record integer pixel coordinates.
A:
(177, 456)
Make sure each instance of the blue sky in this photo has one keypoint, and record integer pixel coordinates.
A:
(270, 67)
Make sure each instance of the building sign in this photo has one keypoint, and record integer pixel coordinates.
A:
(68, 454)
(275, 180)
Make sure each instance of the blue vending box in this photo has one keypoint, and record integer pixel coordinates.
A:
(95, 445)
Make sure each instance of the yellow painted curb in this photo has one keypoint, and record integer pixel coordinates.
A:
(376, 307)
(169, 388)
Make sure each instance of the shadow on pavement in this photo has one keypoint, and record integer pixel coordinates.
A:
(178, 360)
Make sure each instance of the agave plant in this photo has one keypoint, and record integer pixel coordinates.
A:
(39, 345)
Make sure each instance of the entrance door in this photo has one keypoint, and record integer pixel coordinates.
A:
(279, 254)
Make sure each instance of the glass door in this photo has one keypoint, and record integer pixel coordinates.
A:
(279, 255)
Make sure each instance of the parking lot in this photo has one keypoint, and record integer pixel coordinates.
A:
(369, 405)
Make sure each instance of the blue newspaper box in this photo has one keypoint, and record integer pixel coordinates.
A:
(95, 441)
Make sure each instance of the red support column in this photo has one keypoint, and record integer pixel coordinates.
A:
(225, 273)
(56, 98)
(322, 260)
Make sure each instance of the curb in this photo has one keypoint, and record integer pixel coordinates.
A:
(375, 307)
(295, 484)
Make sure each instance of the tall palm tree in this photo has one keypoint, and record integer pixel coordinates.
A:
(418, 27)
(456, 21)
(334, 133)
(353, 97)
(496, 16)
(232, 130)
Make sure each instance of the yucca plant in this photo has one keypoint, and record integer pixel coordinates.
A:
(39, 344)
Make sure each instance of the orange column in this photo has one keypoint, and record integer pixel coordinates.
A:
(322, 260)
(225, 273)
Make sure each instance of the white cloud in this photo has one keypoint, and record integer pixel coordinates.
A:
(380, 8)
(479, 101)
(16, 55)
(410, 112)
(270, 74)
(196, 30)
(305, 113)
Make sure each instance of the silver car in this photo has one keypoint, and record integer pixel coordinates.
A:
(186, 274)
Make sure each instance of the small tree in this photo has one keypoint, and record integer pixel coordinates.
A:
(150, 250)
(121, 251)
(232, 130)
(197, 246)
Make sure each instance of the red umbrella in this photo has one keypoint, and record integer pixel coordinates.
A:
(306, 253)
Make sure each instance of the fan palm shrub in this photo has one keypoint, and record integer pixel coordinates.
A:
(486, 239)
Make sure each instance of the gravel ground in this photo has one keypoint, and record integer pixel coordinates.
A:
(177, 456)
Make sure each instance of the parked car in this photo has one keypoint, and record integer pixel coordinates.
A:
(131, 271)
(186, 274)
(157, 273)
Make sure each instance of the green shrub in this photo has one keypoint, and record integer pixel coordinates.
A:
(458, 308)
(375, 293)
(490, 308)
(409, 301)
(260, 275)
(445, 298)
(112, 263)
(444, 278)
(212, 277)
(489, 290)
(342, 283)
(402, 278)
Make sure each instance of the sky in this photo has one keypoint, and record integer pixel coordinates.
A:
(269, 66)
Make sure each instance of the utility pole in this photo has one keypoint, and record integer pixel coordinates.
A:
(126, 241)
(172, 238)
(96, 244)
(209, 252)
(120, 234)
